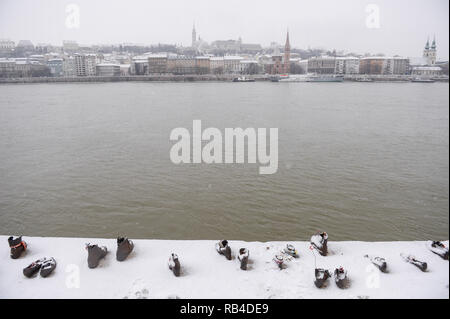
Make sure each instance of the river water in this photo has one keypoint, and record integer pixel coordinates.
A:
(362, 161)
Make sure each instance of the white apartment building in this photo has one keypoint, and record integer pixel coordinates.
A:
(85, 64)
(347, 65)
(339, 67)
(91, 62)
(401, 65)
(396, 65)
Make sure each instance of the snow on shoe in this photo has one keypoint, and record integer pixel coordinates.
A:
(319, 242)
(412, 260)
(17, 246)
(340, 277)
(279, 260)
(243, 257)
(321, 276)
(174, 264)
(291, 251)
(32, 268)
(124, 248)
(223, 249)
(438, 248)
(379, 262)
(48, 265)
(95, 253)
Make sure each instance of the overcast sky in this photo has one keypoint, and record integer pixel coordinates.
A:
(333, 24)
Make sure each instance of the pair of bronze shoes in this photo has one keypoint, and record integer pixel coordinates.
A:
(95, 253)
(223, 248)
(322, 275)
(45, 265)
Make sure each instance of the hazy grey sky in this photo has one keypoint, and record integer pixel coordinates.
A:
(332, 24)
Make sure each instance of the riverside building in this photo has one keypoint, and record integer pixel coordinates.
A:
(56, 67)
(7, 68)
(85, 64)
(347, 65)
(157, 63)
(108, 69)
(322, 65)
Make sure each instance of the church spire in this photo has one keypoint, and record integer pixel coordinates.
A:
(194, 34)
(287, 45)
(430, 53)
(287, 54)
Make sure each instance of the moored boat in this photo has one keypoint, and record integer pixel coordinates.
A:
(325, 78)
(243, 79)
(364, 80)
(294, 78)
(422, 80)
(274, 78)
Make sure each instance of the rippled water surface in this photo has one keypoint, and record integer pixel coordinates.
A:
(363, 161)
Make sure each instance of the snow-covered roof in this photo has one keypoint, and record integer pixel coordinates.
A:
(6, 60)
(427, 68)
(108, 64)
(232, 57)
(325, 57)
(140, 58)
(375, 58)
(157, 55)
(347, 58)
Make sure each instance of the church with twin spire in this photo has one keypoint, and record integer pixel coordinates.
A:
(429, 53)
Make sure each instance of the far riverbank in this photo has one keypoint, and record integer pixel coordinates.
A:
(196, 78)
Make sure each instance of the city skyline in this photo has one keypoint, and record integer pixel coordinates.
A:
(327, 25)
